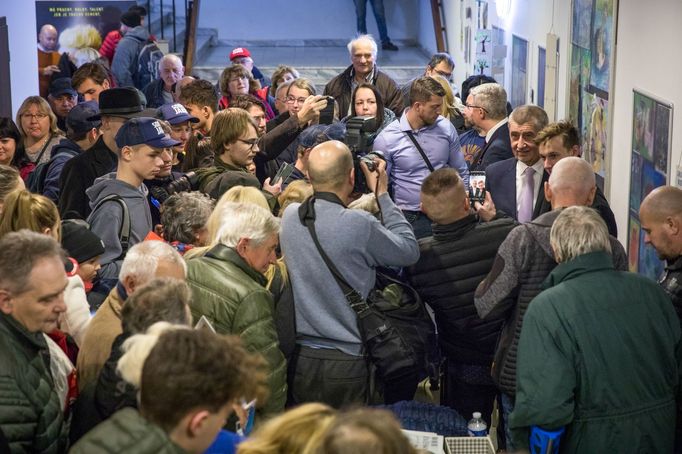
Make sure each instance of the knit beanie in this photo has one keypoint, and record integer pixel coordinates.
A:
(79, 242)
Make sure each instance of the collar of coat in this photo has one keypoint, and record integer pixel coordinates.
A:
(219, 163)
(674, 265)
(228, 254)
(586, 263)
(371, 78)
(37, 340)
(455, 230)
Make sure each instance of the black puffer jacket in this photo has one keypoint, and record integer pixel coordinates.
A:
(671, 281)
(452, 263)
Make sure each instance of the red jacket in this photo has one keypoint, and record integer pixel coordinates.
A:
(261, 94)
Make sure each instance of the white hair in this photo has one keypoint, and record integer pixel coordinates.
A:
(245, 220)
(142, 260)
(137, 348)
(85, 55)
(492, 97)
(578, 230)
(363, 38)
(171, 58)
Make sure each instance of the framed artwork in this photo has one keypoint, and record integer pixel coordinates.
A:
(590, 79)
(519, 71)
(499, 55)
(542, 59)
(650, 168)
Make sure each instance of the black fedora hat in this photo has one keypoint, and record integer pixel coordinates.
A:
(119, 102)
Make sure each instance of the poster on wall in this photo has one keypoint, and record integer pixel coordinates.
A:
(592, 43)
(651, 139)
(499, 55)
(519, 80)
(72, 32)
(484, 53)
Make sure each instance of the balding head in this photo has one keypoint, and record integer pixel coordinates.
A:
(171, 69)
(330, 167)
(443, 196)
(661, 218)
(571, 183)
(48, 37)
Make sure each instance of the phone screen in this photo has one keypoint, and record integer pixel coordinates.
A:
(327, 114)
(477, 187)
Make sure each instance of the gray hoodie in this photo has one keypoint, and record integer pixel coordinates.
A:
(124, 64)
(106, 221)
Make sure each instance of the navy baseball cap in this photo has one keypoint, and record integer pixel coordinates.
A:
(77, 119)
(335, 131)
(61, 86)
(144, 130)
(175, 114)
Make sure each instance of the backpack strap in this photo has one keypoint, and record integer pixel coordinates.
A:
(125, 229)
(421, 151)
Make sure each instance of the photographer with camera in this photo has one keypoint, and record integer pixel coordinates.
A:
(329, 366)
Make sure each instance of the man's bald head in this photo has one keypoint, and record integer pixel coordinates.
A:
(663, 202)
(329, 166)
(443, 196)
(48, 37)
(571, 183)
(661, 219)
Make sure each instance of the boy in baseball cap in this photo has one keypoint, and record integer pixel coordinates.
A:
(181, 129)
(120, 210)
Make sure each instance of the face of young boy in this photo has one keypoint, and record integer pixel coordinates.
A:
(147, 161)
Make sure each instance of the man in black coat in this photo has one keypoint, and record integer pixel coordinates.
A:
(116, 105)
(452, 263)
(486, 109)
(561, 140)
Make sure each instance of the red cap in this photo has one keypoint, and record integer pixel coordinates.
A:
(239, 52)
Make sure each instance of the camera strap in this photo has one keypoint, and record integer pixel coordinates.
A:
(421, 151)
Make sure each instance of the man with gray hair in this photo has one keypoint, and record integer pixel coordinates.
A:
(329, 365)
(523, 261)
(363, 68)
(515, 184)
(228, 286)
(143, 262)
(486, 109)
(32, 284)
(160, 91)
(599, 351)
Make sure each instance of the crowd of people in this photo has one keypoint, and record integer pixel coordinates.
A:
(177, 257)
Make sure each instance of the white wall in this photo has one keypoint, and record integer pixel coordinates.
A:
(528, 19)
(21, 21)
(649, 36)
(303, 19)
(426, 37)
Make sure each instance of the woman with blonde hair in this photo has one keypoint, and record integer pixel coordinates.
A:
(297, 431)
(9, 181)
(296, 192)
(451, 104)
(71, 40)
(282, 75)
(237, 80)
(39, 133)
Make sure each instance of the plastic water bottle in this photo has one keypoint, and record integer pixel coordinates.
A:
(477, 427)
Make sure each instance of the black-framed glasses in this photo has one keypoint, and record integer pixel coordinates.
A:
(448, 76)
(470, 106)
(251, 143)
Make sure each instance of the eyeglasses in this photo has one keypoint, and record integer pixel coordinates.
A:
(292, 100)
(469, 106)
(252, 143)
(38, 116)
(237, 79)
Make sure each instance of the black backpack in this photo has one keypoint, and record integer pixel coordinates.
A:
(148, 61)
(36, 179)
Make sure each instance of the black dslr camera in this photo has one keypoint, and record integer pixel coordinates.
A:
(187, 182)
(359, 138)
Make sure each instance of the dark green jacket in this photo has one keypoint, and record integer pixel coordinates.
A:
(233, 298)
(126, 432)
(599, 353)
(31, 413)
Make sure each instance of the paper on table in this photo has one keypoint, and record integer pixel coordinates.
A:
(428, 441)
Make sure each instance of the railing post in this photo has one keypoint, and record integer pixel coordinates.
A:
(149, 16)
(161, 5)
(175, 19)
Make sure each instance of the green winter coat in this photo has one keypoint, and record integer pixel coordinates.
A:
(599, 353)
(126, 432)
(233, 298)
(31, 412)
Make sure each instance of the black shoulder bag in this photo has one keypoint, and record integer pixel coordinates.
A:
(396, 336)
(421, 151)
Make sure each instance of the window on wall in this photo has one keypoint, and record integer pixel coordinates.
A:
(519, 71)
(542, 57)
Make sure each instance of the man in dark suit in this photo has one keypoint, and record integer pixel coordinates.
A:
(515, 184)
(116, 105)
(486, 110)
(561, 140)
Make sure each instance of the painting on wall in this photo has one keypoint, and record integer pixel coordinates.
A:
(602, 29)
(651, 132)
(519, 71)
(484, 53)
(499, 55)
(542, 59)
(592, 41)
